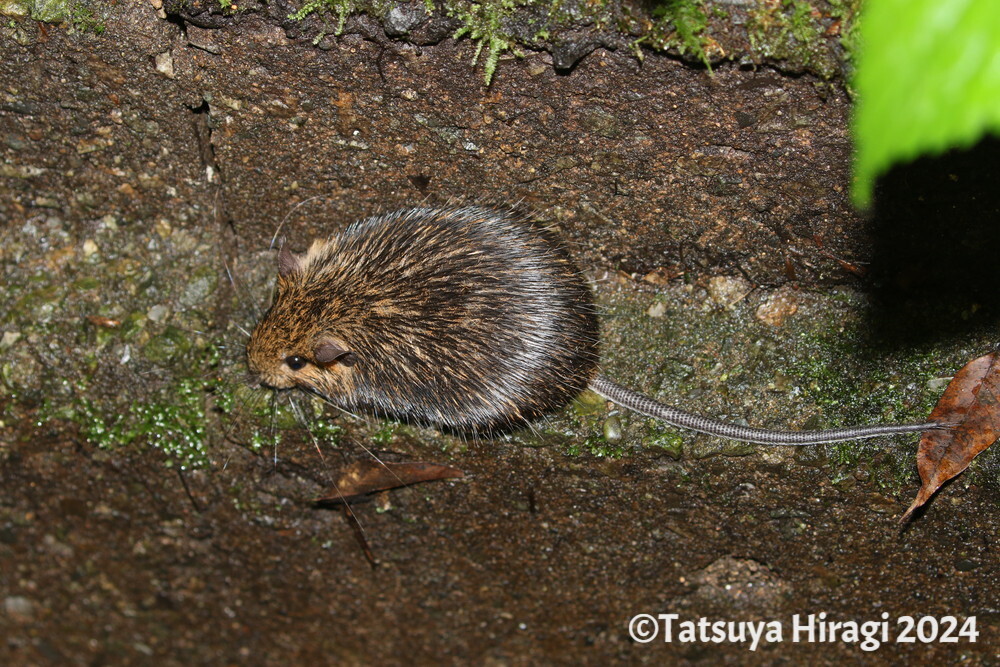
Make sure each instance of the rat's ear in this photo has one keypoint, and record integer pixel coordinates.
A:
(327, 352)
(288, 262)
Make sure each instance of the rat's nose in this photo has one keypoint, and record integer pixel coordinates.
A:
(252, 380)
(261, 375)
(268, 381)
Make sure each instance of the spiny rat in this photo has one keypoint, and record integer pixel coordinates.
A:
(468, 317)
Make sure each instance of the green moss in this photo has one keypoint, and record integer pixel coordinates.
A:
(15, 8)
(38, 298)
(681, 24)
(595, 446)
(861, 387)
(50, 11)
(846, 13)
(484, 23)
(664, 438)
(176, 419)
(169, 346)
(797, 30)
(384, 435)
(173, 419)
(87, 283)
(326, 431)
(340, 8)
(133, 325)
(174, 424)
(83, 15)
(677, 23)
(818, 370)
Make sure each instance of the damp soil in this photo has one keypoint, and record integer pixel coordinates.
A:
(531, 558)
(144, 521)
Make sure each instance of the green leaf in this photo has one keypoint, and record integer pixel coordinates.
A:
(928, 79)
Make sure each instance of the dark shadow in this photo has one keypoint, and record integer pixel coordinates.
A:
(936, 231)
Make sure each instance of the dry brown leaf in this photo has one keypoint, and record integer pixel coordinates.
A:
(972, 403)
(364, 477)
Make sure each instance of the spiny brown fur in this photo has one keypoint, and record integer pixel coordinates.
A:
(471, 318)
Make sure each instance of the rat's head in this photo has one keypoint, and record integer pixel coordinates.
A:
(294, 345)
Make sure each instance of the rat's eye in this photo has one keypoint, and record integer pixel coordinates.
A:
(295, 362)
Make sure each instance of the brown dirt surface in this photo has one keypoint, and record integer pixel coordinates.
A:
(140, 167)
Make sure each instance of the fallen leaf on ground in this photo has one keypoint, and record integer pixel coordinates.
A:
(972, 403)
(364, 477)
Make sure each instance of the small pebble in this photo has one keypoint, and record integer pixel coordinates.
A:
(613, 429)
(658, 310)
(9, 338)
(165, 64)
(777, 308)
(158, 313)
(966, 565)
(727, 291)
(19, 608)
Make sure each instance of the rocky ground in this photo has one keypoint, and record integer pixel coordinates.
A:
(154, 509)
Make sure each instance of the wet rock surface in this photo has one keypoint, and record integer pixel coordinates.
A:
(144, 516)
(535, 557)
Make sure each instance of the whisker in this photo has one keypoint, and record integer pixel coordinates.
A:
(241, 286)
(368, 451)
(304, 423)
(244, 407)
(326, 400)
(273, 426)
(274, 239)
